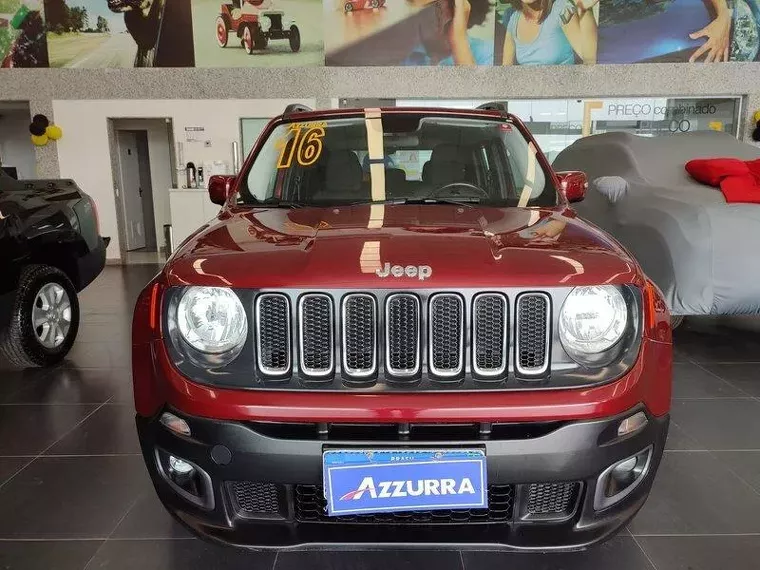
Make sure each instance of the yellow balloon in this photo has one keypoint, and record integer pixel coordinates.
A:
(40, 141)
(54, 132)
(757, 116)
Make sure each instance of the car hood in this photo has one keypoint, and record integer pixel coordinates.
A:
(356, 246)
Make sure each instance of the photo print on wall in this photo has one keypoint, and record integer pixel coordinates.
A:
(296, 33)
(409, 32)
(258, 33)
(546, 32)
(745, 39)
(664, 31)
(23, 42)
(119, 33)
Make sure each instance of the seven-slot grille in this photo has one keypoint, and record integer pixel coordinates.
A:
(366, 330)
(533, 322)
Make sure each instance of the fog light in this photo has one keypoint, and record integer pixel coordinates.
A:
(624, 467)
(632, 424)
(175, 424)
(179, 466)
(186, 478)
(619, 479)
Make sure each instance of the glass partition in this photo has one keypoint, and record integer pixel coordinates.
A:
(556, 123)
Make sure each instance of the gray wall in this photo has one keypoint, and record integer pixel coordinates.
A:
(42, 86)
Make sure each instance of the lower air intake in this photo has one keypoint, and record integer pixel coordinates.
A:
(311, 506)
(252, 499)
(547, 499)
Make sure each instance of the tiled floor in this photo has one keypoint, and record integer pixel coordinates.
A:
(74, 493)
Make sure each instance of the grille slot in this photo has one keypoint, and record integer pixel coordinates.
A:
(490, 336)
(315, 340)
(273, 334)
(532, 342)
(446, 335)
(552, 499)
(402, 335)
(251, 499)
(359, 322)
(311, 506)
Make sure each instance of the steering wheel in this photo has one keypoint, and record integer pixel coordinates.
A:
(449, 189)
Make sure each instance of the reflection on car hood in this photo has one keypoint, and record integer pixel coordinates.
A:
(345, 247)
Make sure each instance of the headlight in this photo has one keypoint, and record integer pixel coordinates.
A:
(212, 320)
(591, 322)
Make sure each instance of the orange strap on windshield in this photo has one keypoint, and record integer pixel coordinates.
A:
(374, 124)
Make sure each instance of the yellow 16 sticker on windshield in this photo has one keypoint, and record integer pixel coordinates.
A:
(302, 141)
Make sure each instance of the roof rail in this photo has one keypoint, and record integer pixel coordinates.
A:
(494, 106)
(297, 108)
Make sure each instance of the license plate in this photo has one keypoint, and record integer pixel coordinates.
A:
(394, 480)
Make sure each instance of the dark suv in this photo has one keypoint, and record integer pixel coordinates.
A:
(431, 349)
(50, 249)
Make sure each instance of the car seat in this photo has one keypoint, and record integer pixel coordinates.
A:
(444, 167)
(395, 183)
(343, 178)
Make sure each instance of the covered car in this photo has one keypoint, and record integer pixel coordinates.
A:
(700, 250)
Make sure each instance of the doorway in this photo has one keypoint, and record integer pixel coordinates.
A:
(136, 191)
(17, 156)
(143, 172)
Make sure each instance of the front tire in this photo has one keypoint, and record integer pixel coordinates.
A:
(247, 39)
(295, 39)
(348, 7)
(44, 320)
(222, 31)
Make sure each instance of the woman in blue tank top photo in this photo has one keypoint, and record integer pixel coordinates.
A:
(550, 32)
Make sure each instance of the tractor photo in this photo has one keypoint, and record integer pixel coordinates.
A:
(351, 5)
(255, 23)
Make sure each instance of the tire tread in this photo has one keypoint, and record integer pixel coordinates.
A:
(15, 346)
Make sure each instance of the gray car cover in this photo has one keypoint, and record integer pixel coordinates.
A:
(702, 252)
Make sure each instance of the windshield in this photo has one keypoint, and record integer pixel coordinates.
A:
(397, 157)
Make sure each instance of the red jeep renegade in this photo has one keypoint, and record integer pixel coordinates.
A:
(397, 331)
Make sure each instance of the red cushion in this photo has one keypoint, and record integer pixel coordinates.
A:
(712, 170)
(738, 180)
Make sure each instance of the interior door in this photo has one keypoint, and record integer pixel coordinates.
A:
(130, 191)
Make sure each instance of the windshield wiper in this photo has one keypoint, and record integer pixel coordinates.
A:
(467, 202)
(269, 203)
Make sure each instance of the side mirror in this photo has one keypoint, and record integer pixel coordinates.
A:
(573, 184)
(220, 188)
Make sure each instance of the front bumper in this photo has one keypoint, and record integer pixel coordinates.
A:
(576, 452)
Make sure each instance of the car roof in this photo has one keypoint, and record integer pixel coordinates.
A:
(432, 111)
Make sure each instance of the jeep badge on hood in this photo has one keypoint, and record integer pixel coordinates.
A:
(421, 272)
